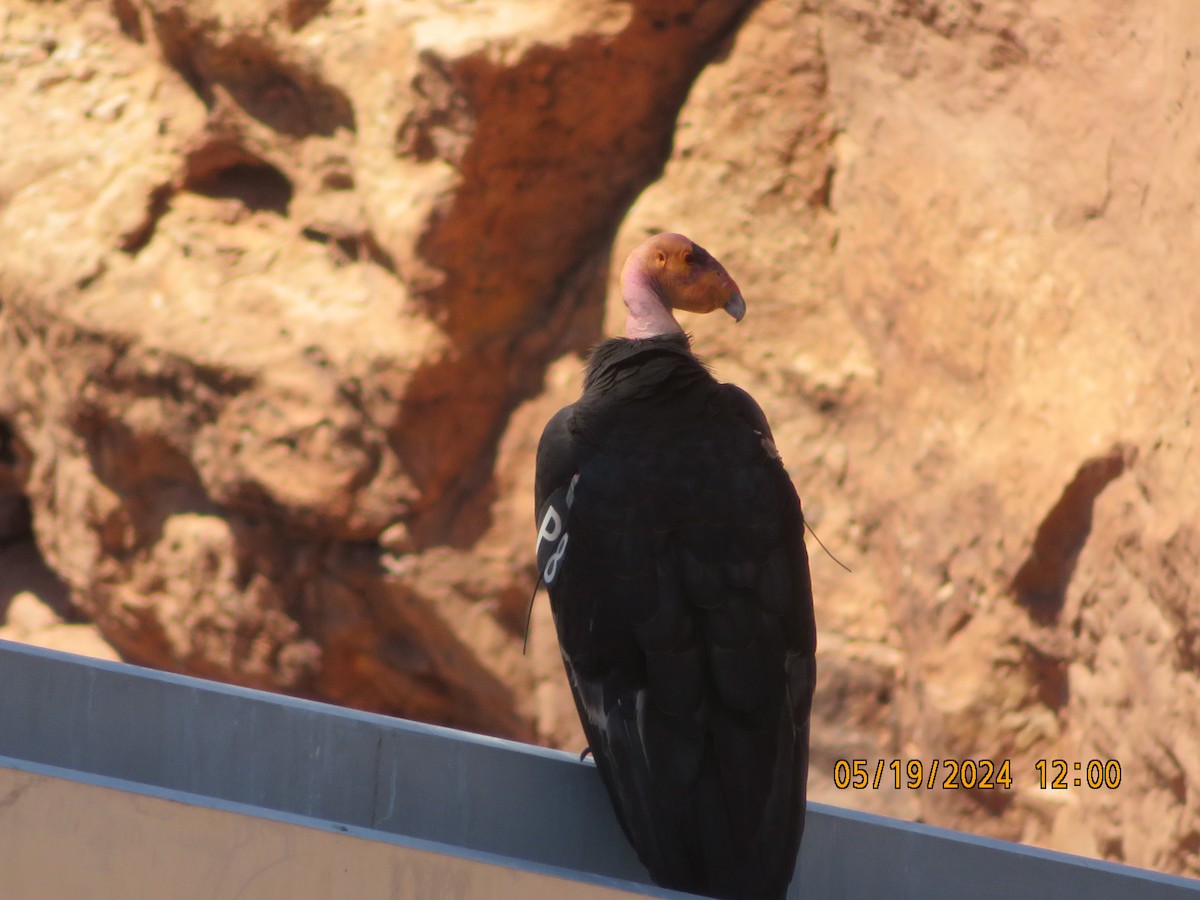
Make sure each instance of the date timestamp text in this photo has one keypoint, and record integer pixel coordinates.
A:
(948, 774)
(1058, 774)
(972, 774)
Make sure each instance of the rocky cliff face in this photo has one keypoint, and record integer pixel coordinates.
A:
(288, 289)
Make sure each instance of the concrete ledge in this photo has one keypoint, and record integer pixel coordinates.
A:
(463, 812)
(65, 837)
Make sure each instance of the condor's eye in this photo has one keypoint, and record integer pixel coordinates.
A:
(689, 257)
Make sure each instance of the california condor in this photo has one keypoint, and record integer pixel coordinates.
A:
(671, 541)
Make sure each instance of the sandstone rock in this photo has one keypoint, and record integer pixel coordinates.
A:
(287, 291)
(274, 278)
(27, 614)
(35, 606)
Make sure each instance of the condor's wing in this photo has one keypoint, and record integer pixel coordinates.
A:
(680, 589)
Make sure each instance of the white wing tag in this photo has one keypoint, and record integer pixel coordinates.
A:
(552, 532)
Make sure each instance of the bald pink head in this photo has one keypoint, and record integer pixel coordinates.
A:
(669, 271)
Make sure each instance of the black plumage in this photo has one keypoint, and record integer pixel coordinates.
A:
(671, 542)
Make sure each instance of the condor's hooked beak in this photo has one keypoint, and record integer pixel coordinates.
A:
(736, 306)
(723, 292)
(704, 286)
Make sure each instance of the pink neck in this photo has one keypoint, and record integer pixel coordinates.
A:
(648, 316)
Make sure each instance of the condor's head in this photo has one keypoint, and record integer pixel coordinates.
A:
(670, 271)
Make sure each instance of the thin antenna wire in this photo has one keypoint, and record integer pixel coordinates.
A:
(823, 547)
(529, 612)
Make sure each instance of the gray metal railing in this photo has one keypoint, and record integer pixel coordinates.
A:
(465, 799)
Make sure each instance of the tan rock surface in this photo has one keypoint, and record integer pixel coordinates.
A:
(287, 291)
(274, 277)
(35, 606)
